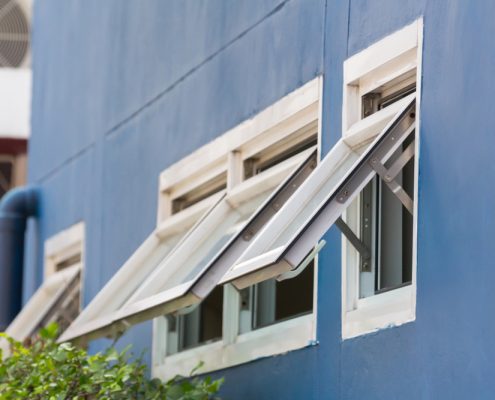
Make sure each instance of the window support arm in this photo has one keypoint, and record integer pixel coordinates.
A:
(388, 176)
(357, 243)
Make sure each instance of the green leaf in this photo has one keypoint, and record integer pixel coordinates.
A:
(49, 332)
(50, 371)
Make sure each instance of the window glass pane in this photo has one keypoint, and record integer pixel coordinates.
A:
(387, 229)
(66, 308)
(70, 307)
(407, 223)
(202, 192)
(276, 154)
(149, 264)
(386, 225)
(186, 267)
(306, 211)
(396, 232)
(271, 301)
(200, 326)
(66, 263)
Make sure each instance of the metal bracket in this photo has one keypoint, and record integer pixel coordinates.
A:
(390, 144)
(301, 267)
(382, 148)
(400, 163)
(388, 175)
(358, 244)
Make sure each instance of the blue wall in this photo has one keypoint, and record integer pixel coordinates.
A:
(122, 89)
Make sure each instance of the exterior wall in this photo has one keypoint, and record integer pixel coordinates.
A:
(124, 89)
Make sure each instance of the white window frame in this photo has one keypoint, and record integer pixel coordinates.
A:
(397, 54)
(227, 154)
(63, 246)
(58, 248)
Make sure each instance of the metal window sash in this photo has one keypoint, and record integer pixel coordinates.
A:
(260, 262)
(196, 289)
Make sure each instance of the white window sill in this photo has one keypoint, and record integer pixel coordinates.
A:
(272, 340)
(381, 311)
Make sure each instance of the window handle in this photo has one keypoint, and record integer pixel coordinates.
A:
(301, 267)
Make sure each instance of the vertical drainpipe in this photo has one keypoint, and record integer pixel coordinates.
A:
(15, 208)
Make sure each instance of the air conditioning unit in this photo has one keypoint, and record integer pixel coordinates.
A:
(15, 22)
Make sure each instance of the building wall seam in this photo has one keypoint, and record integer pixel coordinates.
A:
(115, 129)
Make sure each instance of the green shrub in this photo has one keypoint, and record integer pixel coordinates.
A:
(50, 371)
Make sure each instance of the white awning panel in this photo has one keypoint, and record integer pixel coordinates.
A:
(155, 282)
(253, 233)
(42, 305)
(286, 241)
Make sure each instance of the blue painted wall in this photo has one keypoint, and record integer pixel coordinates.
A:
(122, 89)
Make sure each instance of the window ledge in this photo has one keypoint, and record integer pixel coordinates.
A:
(381, 311)
(275, 339)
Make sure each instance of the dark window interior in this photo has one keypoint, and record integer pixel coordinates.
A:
(271, 301)
(203, 324)
(257, 164)
(386, 225)
(204, 191)
(6, 170)
(76, 258)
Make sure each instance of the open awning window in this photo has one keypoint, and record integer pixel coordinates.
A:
(285, 243)
(254, 232)
(52, 302)
(163, 277)
(135, 270)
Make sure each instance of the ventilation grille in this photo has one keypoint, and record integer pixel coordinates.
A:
(14, 34)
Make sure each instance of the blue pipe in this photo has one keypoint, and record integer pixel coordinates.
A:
(15, 208)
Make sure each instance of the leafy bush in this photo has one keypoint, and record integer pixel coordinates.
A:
(50, 371)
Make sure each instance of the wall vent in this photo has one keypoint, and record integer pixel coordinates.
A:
(14, 33)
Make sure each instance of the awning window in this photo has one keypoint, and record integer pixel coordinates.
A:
(255, 232)
(56, 300)
(285, 243)
(172, 280)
